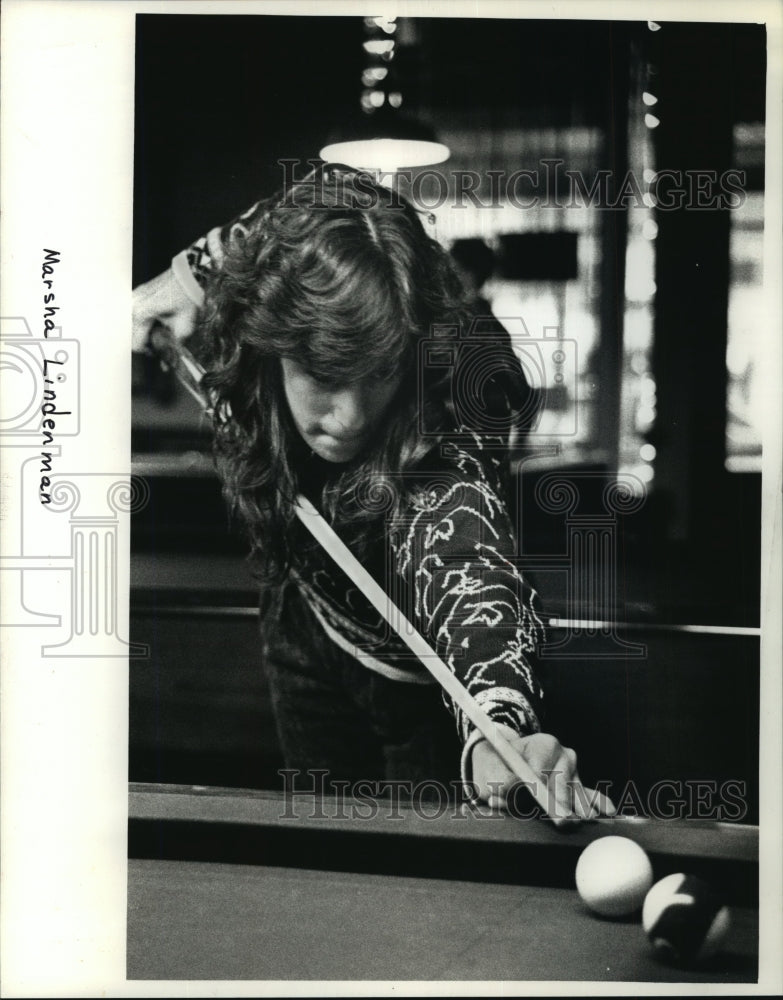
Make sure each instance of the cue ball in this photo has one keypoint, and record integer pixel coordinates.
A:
(684, 919)
(613, 875)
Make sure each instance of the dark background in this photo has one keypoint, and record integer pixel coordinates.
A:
(218, 101)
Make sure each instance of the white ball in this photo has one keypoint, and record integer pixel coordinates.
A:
(613, 875)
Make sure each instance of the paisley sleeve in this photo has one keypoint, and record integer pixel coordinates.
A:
(193, 265)
(456, 557)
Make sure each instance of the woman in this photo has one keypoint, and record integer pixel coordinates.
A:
(332, 329)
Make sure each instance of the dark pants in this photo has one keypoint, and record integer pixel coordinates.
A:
(337, 715)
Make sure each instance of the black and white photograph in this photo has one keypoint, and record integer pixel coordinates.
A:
(415, 471)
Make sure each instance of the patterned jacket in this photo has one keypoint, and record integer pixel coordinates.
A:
(449, 563)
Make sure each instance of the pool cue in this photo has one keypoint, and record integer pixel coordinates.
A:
(172, 355)
(416, 642)
(339, 551)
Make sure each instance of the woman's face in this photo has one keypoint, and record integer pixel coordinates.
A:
(335, 421)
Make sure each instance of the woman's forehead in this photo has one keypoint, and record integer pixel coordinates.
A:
(337, 374)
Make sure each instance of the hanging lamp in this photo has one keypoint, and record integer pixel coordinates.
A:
(381, 137)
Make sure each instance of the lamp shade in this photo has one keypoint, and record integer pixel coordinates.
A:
(385, 141)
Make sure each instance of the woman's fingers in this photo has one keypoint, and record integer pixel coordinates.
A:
(491, 776)
(560, 797)
(556, 765)
(497, 802)
(601, 803)
(565, 798)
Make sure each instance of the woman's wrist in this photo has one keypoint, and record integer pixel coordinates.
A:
(466, 760)
(180, 268)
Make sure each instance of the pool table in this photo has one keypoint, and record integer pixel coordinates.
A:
(227, 884)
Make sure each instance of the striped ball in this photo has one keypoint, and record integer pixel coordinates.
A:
(684, 919)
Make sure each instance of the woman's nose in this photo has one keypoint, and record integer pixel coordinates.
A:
(350, 410)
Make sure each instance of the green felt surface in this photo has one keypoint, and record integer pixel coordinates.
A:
(192, 921)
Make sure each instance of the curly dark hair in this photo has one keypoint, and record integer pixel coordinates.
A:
(344, 280)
